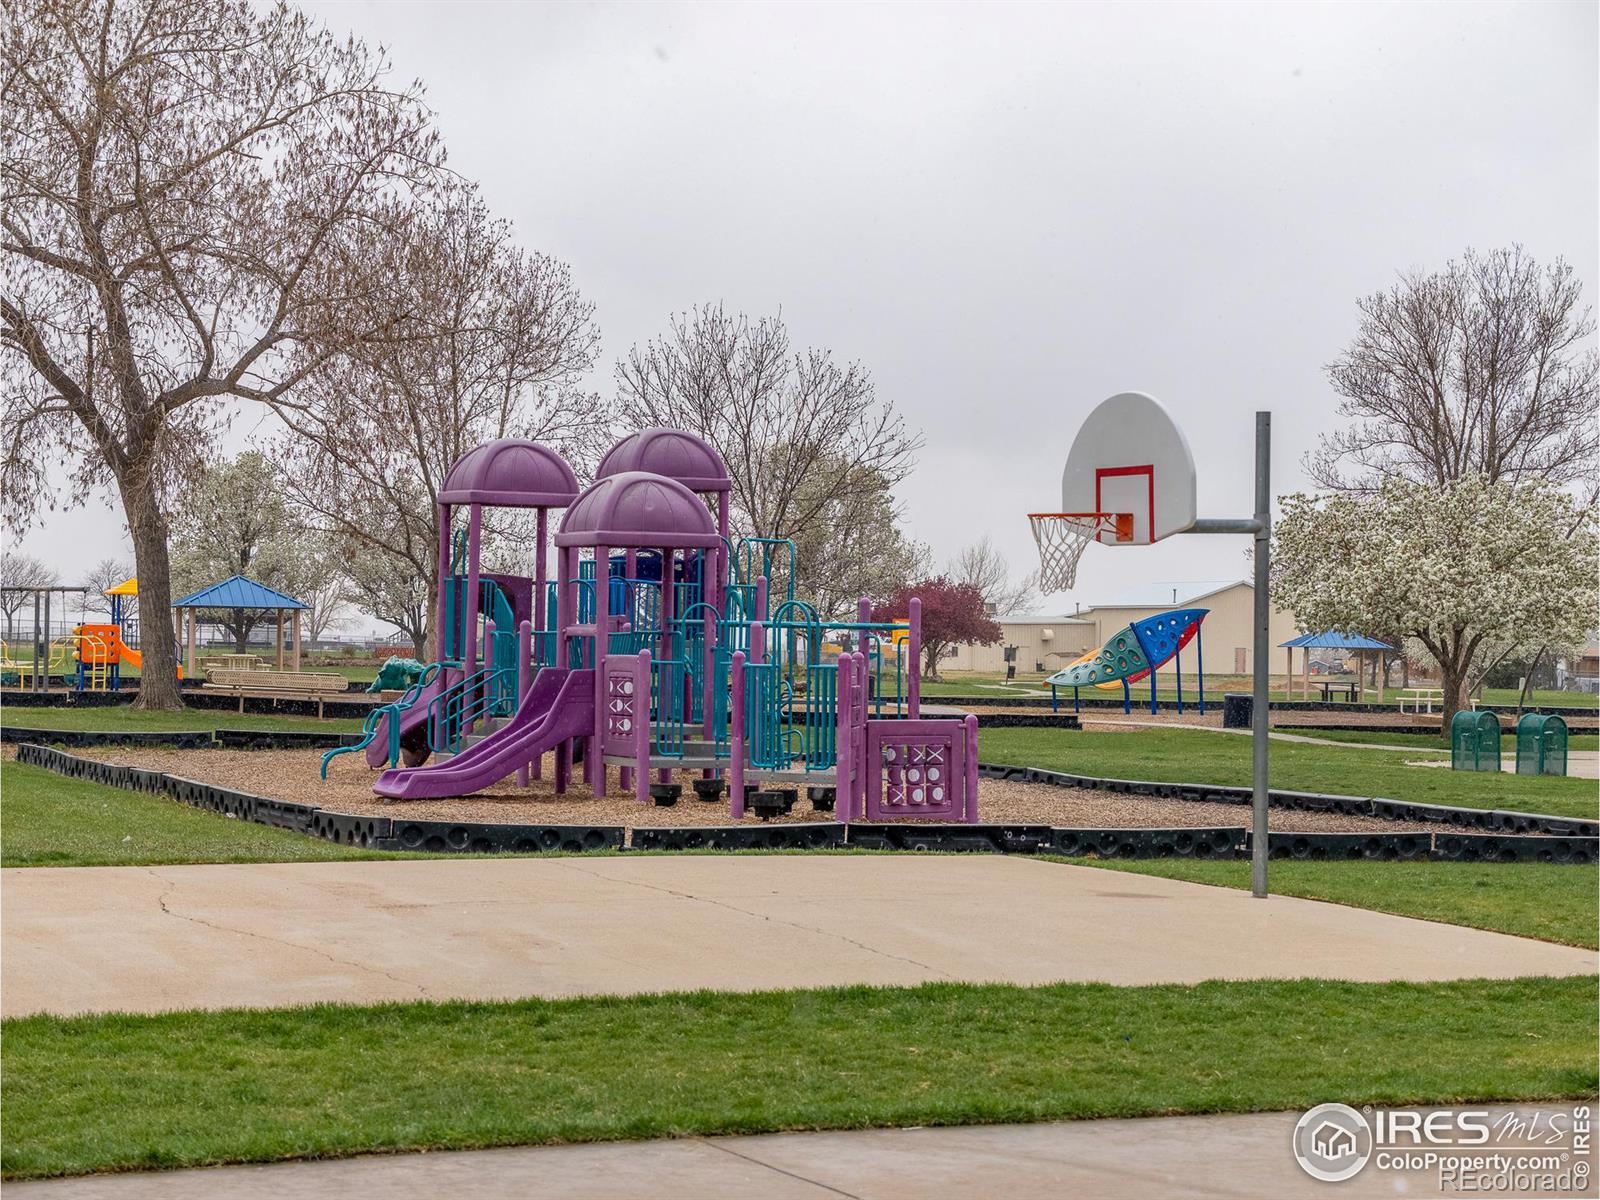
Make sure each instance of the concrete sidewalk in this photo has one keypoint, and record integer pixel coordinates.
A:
(1247, 1157)
(149, 939)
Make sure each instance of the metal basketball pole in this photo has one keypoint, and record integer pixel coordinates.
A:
(1258, 706)
(1259, 527)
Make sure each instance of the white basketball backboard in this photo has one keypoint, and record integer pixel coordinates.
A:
(1131, 457)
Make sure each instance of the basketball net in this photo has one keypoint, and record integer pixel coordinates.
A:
(1062, 538)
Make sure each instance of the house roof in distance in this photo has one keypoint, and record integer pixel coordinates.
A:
(238, 592)
(1173, 594)
(1040, 619)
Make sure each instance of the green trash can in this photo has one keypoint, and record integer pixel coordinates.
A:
(1475, 741)
(1541, 745)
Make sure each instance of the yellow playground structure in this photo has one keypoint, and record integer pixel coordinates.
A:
(80, 655)
(89, 658)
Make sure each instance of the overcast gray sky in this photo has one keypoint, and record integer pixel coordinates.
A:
(1009, 213)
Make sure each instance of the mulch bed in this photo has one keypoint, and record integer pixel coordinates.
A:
(292, 775)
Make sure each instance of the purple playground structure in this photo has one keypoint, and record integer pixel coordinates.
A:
(675, 655)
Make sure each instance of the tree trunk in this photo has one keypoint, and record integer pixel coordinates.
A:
(1453, 679)
(1527, 680)
(241, 632)
(158, 676)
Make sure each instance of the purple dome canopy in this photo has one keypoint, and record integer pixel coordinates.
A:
(639, 510)
(510, 473)
(678, 455)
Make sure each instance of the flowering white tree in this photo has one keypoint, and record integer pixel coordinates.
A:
(1464, 568)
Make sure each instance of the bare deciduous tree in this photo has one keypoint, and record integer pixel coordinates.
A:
(983, 566)
(800, 432)
(381, 587)
(854, 547)
(496, 345)
(21, 571)
(1483, 368)
(198, 195)
(101, 578)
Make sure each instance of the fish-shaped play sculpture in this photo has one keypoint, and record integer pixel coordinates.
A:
(1133, 651)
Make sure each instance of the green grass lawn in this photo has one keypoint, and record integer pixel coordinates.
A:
(1206, 756)
(1431, 741)
(980, 683)
(125, 718)
(48, 820)
(123, 1092)
(1538, 900)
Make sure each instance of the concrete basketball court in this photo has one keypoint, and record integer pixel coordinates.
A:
(1243, 1157)
(155, 938)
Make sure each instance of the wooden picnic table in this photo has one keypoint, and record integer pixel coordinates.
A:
(1419, 696)
(1330, 686)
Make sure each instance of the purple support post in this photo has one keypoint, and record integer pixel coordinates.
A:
(469, 602)
(668, 614)
(971, 799)
(762, 586)
(563, 766)
(524, 679)
(641, 731)
(542, 538)
(440, 637)
(862, 694)
(1177, 665)
(1127, 698)
(914, 653)
(594, 761)
(666, 606)
(1152, 691)
(736, 739)
(843, 751)
(758, 642)
(560, 616)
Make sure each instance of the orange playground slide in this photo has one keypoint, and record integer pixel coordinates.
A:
(103, 645)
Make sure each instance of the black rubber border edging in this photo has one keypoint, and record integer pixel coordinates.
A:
(375, 833)
(194, 739)
(1360, 806)
(398, 834)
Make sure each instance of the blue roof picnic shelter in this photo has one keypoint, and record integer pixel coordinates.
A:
(1332, 639)
(237, 592)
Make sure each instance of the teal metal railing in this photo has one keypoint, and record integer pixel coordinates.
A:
(765, 698)
(489, 692)
(668, 705)
(819, 717)
(393, 710)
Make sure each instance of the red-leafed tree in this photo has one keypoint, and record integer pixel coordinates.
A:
(952, 615)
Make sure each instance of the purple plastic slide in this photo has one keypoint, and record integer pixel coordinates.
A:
(378, 749)
(559, 705)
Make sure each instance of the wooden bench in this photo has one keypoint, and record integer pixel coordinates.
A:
(279, 685)
(312, 682)
(1418, 696)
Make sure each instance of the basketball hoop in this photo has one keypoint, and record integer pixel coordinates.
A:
(1063, 537)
